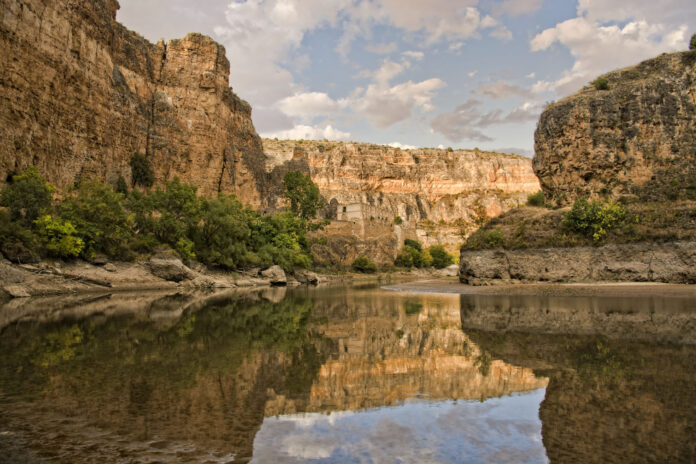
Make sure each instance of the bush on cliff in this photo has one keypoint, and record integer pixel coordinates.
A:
(692, 44)
(537, 199)
(601, 83)
(364, 264)
(594, 218)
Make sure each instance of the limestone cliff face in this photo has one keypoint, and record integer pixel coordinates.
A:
(81, 94)
(642, 129)
(439, 195)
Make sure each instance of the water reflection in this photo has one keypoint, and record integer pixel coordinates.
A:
(192, 378)
(347, 375)
(622, 371)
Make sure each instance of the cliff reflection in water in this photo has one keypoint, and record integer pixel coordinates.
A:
(622, 371)
(191, 379)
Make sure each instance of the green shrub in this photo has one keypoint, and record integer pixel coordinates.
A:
(413, 244)
(594, 219)
(537, 199)
(141, 171)
(398, 221)
(412, 255)
(441, 259)
(692, 44)
(601, 83)
(97, 214)
(303, 194)
(27, 197)
(364, 264)
(58, 237)
(121, 186)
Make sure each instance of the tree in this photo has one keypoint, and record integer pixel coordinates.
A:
(692, 44)
(121, 186)
(27, 197)
(141, 171)
(59, 237)
(441, 259)
(303, 194)
(96, 212)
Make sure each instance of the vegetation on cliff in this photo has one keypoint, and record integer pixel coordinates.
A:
(588, 223)
(413, 255)
(94, 220)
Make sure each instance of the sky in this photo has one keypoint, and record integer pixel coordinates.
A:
(498, 430)
(416, 73)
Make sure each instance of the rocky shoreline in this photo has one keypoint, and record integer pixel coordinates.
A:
(162, 272)
(673, 262)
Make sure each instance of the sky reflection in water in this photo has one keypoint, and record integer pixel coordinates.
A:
(504, 429)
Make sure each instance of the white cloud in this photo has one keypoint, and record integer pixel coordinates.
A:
(467, 119)
(502, 33)
(309, 133)
(502, 90)
(473, 73)
(518, 7)
(382, 48)
(386, 106)
(402, 146)
(414, 55)
(308, 104)
(610, 35)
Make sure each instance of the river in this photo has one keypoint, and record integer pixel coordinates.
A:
(347, 375)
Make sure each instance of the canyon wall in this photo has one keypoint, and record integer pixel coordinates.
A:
(638, 133)
(378, 195)
(640, 262)
(80, 95)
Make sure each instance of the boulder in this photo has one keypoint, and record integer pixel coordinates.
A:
(16, 291)
(110, 267)
(306, 277)
(171, 269)
(275, 275)
(450, 271)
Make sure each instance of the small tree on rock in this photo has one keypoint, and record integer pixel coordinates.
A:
(303, 194)
(141, 171)
(692, 44)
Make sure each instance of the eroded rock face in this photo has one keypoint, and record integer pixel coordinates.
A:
(641, 262)
(616, 141)
(81, 94)
(439, 196)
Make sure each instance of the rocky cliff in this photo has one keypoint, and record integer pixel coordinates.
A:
(80, 94)
(438, 196)
(640, 262)
(639, 133)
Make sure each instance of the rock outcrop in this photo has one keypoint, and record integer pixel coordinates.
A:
(642, 129)
(640, 262)
(378, 195)
(80, 94)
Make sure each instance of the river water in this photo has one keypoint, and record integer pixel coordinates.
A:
(347, 375)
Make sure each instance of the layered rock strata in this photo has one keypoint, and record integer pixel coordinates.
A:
(614, 141)
(80, 95)
(382, 195)
(641, 262)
